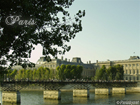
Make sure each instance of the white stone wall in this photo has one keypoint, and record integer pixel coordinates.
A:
(12, 97)
(52, 94)
(118, 90)
(81, 92)
(99, 91)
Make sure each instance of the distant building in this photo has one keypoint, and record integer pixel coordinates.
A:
(131, 66)
(88, 69)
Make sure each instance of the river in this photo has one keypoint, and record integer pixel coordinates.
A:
(36, 98)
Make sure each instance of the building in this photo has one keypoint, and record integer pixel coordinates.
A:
(88, 69)
(131, 66)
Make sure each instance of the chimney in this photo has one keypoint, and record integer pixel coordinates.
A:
(62, 58)
(89, 62)
(96, 61)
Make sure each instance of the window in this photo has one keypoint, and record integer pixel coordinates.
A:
(129, 71)
(133, 71)
(137, 71)
(133, 78)
(126, 71)
(137, 78)
(129, 78)
(133, 64)
(137, 64)
(126, 78)
(130, 65)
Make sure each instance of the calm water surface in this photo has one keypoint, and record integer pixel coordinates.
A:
(36, 98)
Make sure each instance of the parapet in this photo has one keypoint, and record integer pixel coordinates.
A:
(77, 60)
(134, 57)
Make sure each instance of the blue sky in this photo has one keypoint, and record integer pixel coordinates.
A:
(111, 30)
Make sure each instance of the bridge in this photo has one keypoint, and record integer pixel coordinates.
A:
(52, 88)
(56, 85)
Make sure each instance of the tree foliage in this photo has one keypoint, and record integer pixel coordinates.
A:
(112, 73)
(69, 71)
(37, 74)
(17, 41)
(62, 72)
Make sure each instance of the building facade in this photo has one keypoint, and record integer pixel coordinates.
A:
(88, 69)
(131, 66)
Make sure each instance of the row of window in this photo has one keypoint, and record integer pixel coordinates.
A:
(50, 66)
(132, 72)
(88, 73)
(129, 65)
(88, 67)
(132, 78)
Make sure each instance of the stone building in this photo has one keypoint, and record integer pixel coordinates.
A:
(88, 69)
(131, 67)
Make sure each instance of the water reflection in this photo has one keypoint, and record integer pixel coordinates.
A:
(7, 103)
(98, 99)
(51, 102)
(119, 96)
(80, 100)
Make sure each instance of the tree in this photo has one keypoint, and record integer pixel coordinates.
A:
(38, 73)
(23, 74)
(118, 76)
(67, 72)
(34, 74)
(13, 73)
(115, 72)
(47, 73)
(52, 74)
(98, 74)
(79, 70)
(119, 72)
(73, 73)
(60, 71)
(101, 73)
(31, 75)
(9, 73)
(17, 39)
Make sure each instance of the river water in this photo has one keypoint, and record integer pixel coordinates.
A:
(36, 98)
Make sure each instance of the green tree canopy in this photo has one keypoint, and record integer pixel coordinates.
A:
(53, 27)
(69, 71)
(115, 72)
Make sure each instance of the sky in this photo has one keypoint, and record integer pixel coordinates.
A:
(111, 30)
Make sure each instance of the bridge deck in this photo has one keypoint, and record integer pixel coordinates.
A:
(54, 85)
